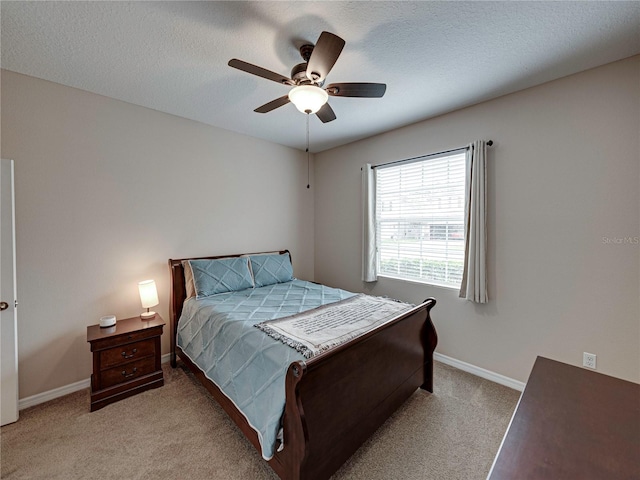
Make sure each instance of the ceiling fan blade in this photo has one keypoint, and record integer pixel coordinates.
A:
(259, 71)
(326, 113)
(367, 90)
(273, 104)
(324, 56)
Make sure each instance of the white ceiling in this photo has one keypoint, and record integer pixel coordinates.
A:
(435, 57)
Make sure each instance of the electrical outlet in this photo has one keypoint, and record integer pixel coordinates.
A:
(589, 360)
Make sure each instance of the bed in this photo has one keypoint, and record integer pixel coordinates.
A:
(334, 400)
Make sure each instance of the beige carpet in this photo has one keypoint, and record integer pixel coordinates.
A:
(179, 432)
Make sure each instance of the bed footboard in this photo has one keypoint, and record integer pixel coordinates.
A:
(337, 400)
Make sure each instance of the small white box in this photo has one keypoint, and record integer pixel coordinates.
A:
(107, 321)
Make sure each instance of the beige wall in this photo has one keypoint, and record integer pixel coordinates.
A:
(107, 191)
(563, 175)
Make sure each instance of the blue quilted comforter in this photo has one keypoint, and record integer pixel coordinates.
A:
(249, 366)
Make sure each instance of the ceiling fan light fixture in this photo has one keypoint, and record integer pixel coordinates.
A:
(308, 98)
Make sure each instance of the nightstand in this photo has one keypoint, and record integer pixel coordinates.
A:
(126, 359)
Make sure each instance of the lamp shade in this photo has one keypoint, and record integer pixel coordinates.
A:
(148, 293)
(308, 98)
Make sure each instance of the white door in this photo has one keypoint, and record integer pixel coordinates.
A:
(8, 299)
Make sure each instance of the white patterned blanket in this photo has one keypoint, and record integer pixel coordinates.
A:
(322, 328)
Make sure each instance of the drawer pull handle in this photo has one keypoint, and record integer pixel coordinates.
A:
(133, 353)
(128, 375)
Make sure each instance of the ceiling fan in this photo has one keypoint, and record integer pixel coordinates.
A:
(307, 80)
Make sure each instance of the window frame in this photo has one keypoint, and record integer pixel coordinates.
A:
(459, 225)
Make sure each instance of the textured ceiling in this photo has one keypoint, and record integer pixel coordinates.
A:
(434, 57)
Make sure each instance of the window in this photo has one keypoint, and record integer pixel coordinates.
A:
(420, 219)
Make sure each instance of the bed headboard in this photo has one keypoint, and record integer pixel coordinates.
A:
(178, 293)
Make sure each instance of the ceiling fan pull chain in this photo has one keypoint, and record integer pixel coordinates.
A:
(308, 183)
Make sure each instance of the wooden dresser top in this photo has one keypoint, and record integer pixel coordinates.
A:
(572, 423)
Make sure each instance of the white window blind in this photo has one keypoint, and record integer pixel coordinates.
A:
(420, 219)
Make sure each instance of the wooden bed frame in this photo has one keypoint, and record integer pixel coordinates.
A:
(338, 399)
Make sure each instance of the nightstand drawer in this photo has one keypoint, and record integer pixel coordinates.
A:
(115, 340)
(125, 373)
(127, 353)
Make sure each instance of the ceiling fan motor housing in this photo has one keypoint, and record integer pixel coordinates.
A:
(305, 51)
(299, 75)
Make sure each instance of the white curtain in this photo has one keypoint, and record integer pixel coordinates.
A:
(369, 273)
(474, 277)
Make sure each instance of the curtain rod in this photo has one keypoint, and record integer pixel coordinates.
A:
(489, 143)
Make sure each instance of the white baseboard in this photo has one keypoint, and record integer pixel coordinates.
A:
(62, 391)
(479, 372)
(460, 365)
(51, 394)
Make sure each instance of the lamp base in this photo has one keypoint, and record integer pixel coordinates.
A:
(147, 315)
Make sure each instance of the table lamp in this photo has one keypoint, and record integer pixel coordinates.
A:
(148, 297)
